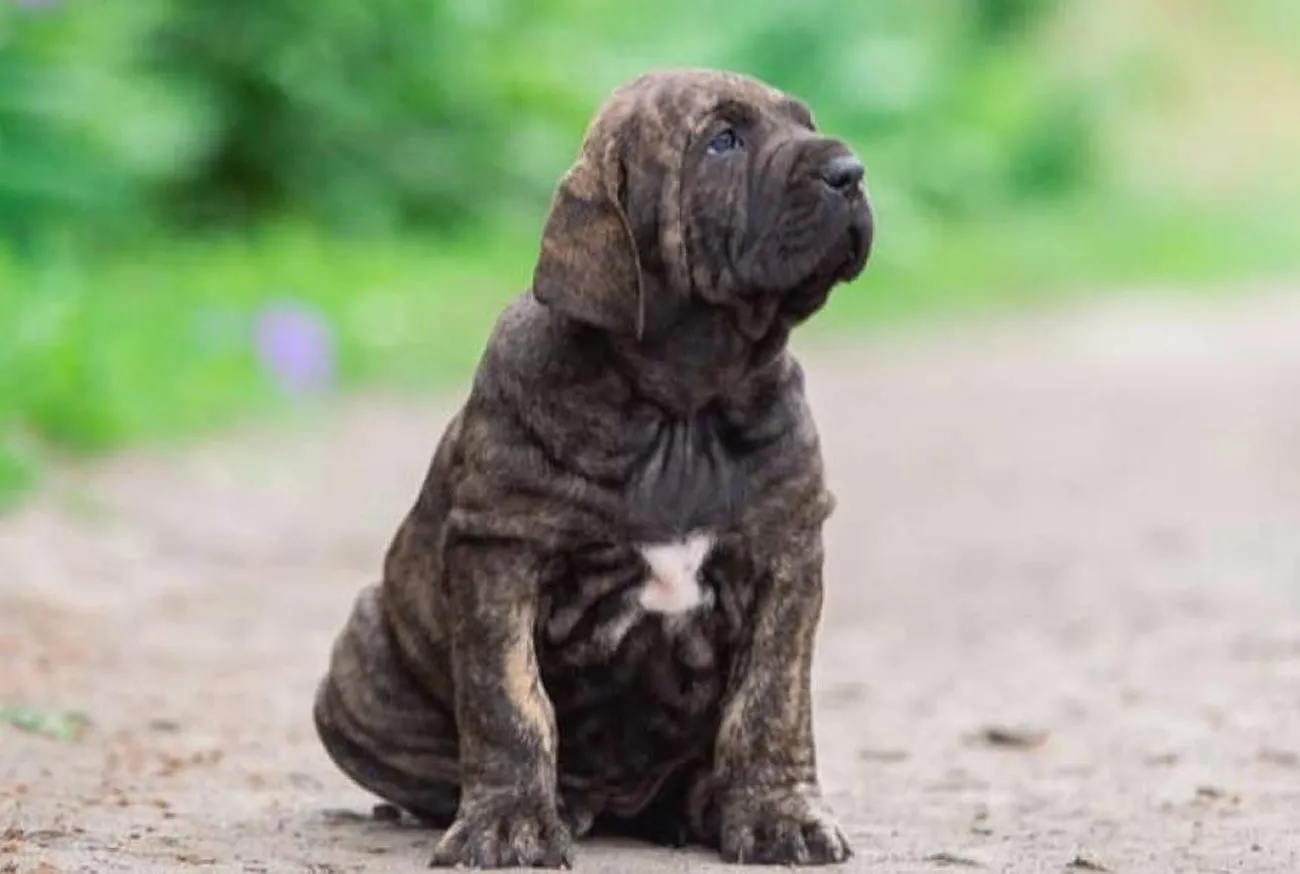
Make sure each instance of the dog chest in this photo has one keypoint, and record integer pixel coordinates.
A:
(621, 601)
(674, 584)
(683, 484)
(651, 582)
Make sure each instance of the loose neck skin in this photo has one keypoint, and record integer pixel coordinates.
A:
(699, 357)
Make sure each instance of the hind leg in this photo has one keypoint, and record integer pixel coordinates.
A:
(380, 728)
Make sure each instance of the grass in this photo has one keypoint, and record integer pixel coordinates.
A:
(158, 345)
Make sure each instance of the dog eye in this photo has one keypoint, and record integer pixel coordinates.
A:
(724, 142)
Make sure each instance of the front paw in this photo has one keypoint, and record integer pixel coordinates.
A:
(505, 831)
(780, 827)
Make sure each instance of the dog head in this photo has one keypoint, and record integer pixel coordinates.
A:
(701, 187)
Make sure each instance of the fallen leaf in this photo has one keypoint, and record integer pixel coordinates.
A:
(1284, 758)
(340, 816)
(953, 860)
(194, 859)
(1016, 737)
(1162, 760)
(386, 813)
(68, 726)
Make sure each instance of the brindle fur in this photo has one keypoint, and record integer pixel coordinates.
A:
(501, 681)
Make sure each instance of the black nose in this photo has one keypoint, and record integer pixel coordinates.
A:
(842, 172)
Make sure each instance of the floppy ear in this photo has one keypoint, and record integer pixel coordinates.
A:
(588, 267)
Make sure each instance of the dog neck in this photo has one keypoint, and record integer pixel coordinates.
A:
(701, 357)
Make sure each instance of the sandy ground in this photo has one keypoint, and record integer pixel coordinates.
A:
(1082, 527)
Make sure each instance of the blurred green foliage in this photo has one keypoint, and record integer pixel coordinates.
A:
(384, 114)
(170, 169)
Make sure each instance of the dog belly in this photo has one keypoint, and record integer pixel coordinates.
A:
(630, 725)
(615, 765)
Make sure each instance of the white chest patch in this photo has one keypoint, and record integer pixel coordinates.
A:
(674, 584)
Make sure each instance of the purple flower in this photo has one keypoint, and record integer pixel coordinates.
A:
(296, 346)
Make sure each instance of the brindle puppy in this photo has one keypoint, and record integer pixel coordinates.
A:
(601, 609)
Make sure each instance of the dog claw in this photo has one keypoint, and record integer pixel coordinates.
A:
(782, 828)
(505, 833)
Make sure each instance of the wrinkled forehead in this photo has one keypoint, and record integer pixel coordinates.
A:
(669, 106)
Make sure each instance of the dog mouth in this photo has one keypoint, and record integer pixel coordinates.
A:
(858, 238)
(846, 257)
(842, 261)
(856, 258)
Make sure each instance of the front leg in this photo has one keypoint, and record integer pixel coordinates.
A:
(509, 811)
(764, 786)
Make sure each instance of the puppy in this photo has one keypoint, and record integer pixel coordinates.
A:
(600, 611)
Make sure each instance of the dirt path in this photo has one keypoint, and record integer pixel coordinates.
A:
(1086, 525)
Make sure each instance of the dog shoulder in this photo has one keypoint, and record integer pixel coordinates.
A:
(529, 346)
(510, 464)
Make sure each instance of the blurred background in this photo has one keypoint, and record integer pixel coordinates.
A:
(209, 211)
